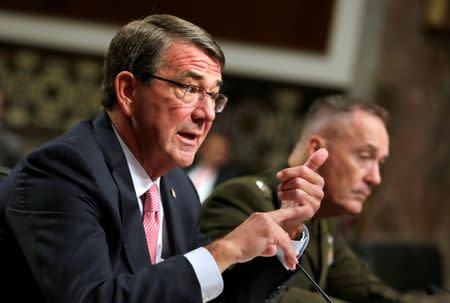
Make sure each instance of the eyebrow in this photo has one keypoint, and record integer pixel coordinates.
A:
(198, 76)
(371, 147)
(374, 149)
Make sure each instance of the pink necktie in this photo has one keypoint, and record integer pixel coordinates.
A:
(151, 219)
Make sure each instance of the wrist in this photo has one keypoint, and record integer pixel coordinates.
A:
(224, 253)
(297, 234)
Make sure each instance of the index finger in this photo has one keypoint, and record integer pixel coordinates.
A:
(317, 159)
(284, 214)
(306, 170)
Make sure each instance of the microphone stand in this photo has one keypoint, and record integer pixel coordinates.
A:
(316, 286)
(305, 234)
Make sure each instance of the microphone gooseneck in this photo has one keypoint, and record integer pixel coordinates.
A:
(316, 286)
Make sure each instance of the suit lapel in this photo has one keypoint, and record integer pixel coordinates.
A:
(133, 232)
(171, 216)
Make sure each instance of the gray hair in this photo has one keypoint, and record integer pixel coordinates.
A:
(336, 104)
(139, 46)
(320, 118)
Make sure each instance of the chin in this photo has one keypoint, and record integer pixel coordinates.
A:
(354, 208)
(184, 161)
(181, 157)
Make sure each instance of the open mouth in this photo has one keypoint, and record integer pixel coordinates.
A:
(187, 136)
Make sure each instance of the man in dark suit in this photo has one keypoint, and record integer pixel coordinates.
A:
(104, 214)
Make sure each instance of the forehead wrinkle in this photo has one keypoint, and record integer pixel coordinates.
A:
(198, 76)
(193, 74)
(194, 62)
(182, 54)
(365, 133)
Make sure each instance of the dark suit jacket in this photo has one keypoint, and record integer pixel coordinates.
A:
(71, 230)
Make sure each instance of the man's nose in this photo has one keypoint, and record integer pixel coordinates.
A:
(373, 175)
(205, 109)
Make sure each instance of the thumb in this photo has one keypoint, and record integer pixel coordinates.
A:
(317, 159)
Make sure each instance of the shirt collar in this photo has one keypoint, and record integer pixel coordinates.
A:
(141, 181)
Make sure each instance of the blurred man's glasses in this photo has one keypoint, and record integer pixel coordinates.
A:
(192, 93)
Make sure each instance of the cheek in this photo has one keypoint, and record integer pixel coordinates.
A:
(202, 139)
(354, 173)
(207, 128)
(336, 172)
(176, 119)
(338, 177)
(347, 171)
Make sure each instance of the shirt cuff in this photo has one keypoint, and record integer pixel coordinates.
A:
(299, 246)
(207, 271)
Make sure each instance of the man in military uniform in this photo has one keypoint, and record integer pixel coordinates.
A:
(355, 135)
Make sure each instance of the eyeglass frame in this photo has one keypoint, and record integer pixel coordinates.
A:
(218, 108)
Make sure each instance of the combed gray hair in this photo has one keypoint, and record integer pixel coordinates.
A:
(139, 46)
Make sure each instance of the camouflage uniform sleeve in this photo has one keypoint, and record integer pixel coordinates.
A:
(231, 203)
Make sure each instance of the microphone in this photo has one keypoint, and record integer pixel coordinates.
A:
(305, 234)
(433, 289)
(316, 286)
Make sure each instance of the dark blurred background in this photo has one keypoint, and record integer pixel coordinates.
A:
(280, 56)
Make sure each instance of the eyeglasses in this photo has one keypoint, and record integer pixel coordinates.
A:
(194, 93)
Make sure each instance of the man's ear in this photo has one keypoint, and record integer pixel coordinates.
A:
(315, 143)
(124, 85)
